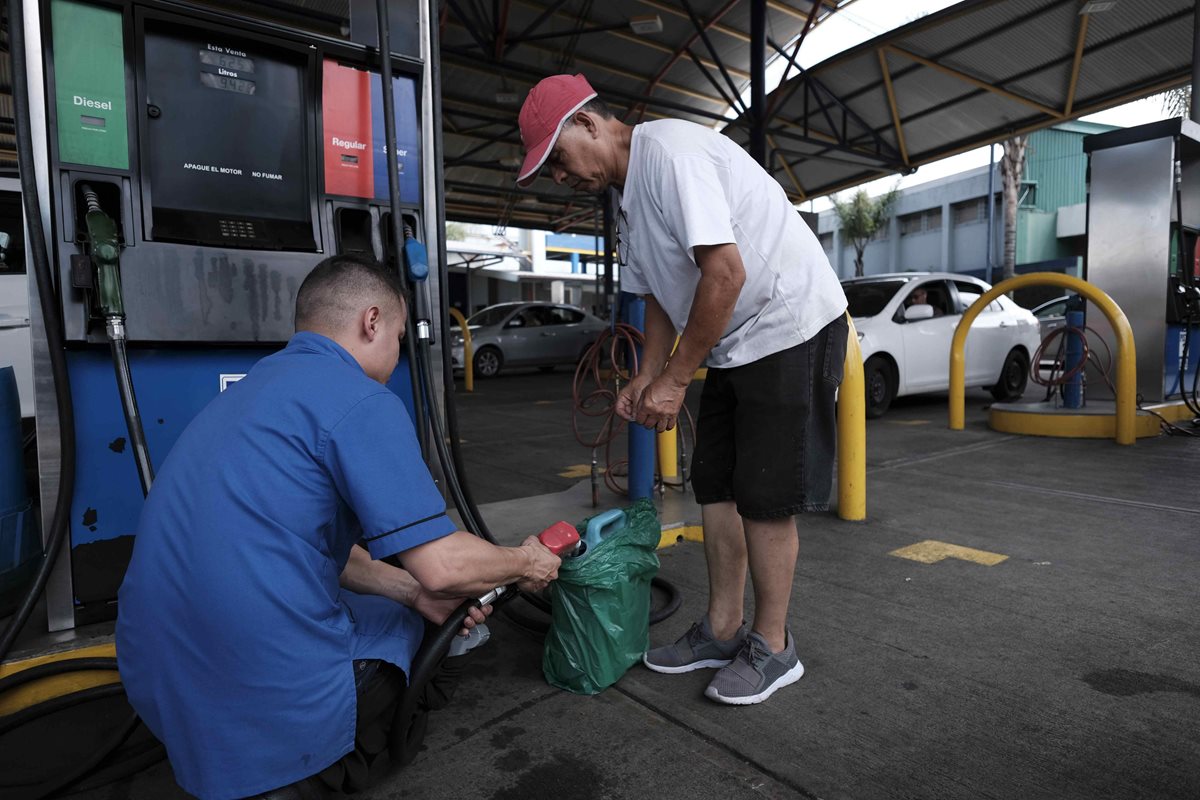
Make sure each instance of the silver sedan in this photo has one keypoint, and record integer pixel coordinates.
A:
(525, 335)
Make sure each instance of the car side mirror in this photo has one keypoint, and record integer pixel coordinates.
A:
(917, 312)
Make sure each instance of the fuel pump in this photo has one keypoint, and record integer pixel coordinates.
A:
(1147, 260)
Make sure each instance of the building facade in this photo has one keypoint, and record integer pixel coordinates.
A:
(944, 225)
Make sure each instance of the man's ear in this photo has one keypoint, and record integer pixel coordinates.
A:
(371, 319)
(588, 122)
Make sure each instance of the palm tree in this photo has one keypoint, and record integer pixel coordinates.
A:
(1012, 165)
(861, 218)
(1177, 102)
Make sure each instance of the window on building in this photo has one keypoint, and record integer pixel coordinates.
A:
(921, 222)
(933, 219)
(1027, 197)
(910, 223)
(969, 211)
(826, 240)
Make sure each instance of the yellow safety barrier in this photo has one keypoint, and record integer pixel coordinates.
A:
(468, 351)
(1126, 353)
(852, 433)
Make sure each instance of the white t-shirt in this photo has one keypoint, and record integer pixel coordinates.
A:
(688, 185)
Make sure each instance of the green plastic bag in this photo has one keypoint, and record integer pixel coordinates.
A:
(601, 618)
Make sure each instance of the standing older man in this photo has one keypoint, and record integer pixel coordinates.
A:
(725, 262)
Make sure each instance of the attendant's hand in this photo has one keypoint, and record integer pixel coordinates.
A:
(437, 609)
(542, 568)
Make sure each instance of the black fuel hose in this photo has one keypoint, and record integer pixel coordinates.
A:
(408, 729)
(397, 224)
(51, 321)
(1189, 303)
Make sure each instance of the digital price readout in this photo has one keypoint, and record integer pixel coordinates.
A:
(214, 81)
(225, 61)
(228, 71)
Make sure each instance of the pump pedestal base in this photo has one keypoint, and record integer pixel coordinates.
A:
(1097, 420)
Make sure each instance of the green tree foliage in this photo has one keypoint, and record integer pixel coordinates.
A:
(861, 218)
(1177, 102)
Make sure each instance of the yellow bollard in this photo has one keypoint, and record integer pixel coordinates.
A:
(468, 352)
(668, 455)
(852, 433)
(1126, 352)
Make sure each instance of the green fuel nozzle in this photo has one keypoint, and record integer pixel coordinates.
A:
(105, 252)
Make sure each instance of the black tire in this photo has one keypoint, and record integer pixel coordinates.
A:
(1013, 377)
(488, 362)
(880, 379)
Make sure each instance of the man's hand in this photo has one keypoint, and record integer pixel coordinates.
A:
(658, 407)
(437, 609)
(543, 566)
(630, 395)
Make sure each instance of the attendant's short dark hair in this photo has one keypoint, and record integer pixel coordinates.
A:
(342, 286)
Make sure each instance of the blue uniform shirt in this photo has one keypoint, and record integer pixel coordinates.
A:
(234, 639)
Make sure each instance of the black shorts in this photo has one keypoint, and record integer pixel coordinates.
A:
(767, 433)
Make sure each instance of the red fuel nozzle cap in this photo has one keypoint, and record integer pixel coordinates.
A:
(561, 538)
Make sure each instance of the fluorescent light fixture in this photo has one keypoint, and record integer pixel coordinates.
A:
(645, 24)
(1096, 6)
(507, 98)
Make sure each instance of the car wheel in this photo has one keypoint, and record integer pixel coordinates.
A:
(1013, 377)
(488, 362)
(880, 380)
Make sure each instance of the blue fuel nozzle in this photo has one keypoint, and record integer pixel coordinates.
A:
(416, 258)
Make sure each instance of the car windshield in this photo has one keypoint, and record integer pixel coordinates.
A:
(1055, 309)
(489, 316)
(868, 299)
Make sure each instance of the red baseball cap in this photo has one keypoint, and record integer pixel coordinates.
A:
(546, 108)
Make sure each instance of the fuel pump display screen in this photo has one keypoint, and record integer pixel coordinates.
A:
(226, 125)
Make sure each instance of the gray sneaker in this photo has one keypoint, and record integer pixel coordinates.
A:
(696, 649)
(756, 673)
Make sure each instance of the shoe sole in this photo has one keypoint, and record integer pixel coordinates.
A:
(786, 679)
(708, 663)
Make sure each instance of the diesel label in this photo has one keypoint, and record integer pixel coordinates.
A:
(87, 102)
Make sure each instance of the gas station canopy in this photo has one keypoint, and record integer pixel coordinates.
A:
(977, 72)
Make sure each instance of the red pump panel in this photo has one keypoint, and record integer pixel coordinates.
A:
(346, 114)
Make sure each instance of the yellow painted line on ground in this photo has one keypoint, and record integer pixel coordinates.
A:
(580, 471)
(932, 551)
(687, 533)
(907, 421)
(58, 685)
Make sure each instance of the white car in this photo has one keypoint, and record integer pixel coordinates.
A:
(906, 321)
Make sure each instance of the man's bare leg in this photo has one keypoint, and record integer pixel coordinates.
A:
(772, 547)
(725, 552)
